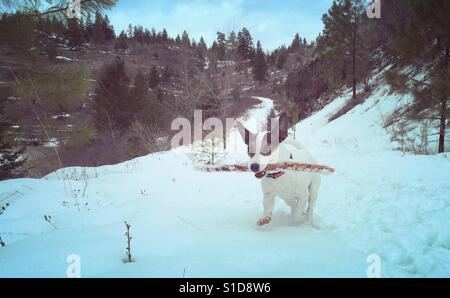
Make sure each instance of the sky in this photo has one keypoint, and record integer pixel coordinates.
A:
(274, 22)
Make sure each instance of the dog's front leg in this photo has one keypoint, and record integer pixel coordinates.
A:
(298, 211)
(269, 203)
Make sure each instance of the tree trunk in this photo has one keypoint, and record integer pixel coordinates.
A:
(442, 125)
(443, 114)
(354, 64)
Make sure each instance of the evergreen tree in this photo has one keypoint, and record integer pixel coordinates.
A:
(259, 64)
(153, 78)
(424, 39)
(178, 40)
(232, 46)
(221, 46)
(114, 108)
(147, 36)
(98, 33)
(245, 45)
(281, 57)
(140, 88)
(88, 28)
(245, 49)
(153, 35)
(121, 42)
(201, 49)
(342, 42)
(138, 34)
(213, 53)
(185, 39)
(10, 160)
(74, 33)
(165, 35)
(296, 43)
(108, 29)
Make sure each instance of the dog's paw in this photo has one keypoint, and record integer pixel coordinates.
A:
(264, 221)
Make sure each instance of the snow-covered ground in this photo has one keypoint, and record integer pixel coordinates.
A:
(195, 224)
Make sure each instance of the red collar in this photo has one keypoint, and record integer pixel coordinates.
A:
(275, 175)
(271, 175)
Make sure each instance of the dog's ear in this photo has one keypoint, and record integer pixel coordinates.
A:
(245, 133)
(283, 127)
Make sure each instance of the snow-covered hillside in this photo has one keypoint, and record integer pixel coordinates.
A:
(194, 224)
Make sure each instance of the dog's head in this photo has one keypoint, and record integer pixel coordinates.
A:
(262, 147)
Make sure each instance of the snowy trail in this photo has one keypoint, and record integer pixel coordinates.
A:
(194, 224)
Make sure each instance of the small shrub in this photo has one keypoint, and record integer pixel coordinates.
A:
(129, 238)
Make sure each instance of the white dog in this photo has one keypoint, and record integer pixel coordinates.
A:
(299, 190)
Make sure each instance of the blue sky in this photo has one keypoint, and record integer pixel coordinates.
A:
(274, 22)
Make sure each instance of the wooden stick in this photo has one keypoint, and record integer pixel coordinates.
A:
(292, 166)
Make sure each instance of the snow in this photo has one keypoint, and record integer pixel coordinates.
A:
(380, 200)
(63, 58)
(61, 116)
(52, 143)
(194, 224)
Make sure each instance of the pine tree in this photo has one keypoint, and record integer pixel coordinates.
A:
(178, 40)
(74, 33)
(108, 29)
(185, 39)
(98, 33)
(164, 35)
(114, 108)
(281, 57)
(153, 78)
(259, 64)
(121, 42)
(88, 28)
(201, 49)
(342, 42)
(140, 92)
(10, 160)
(245, 45)
(213, 53)
(138, 33)
(232, 46)
(245, 49)
(221, 46)
(296, 43)
(424, 39)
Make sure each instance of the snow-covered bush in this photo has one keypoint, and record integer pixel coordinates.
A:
(209, 152)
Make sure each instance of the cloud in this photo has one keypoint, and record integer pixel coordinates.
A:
(273, 22)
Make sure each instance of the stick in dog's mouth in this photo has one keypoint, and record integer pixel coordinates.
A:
(292, 166)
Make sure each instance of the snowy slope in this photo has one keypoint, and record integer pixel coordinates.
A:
(194, 224)
(382, 201)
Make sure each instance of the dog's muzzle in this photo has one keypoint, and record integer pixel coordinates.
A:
(261, 175)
